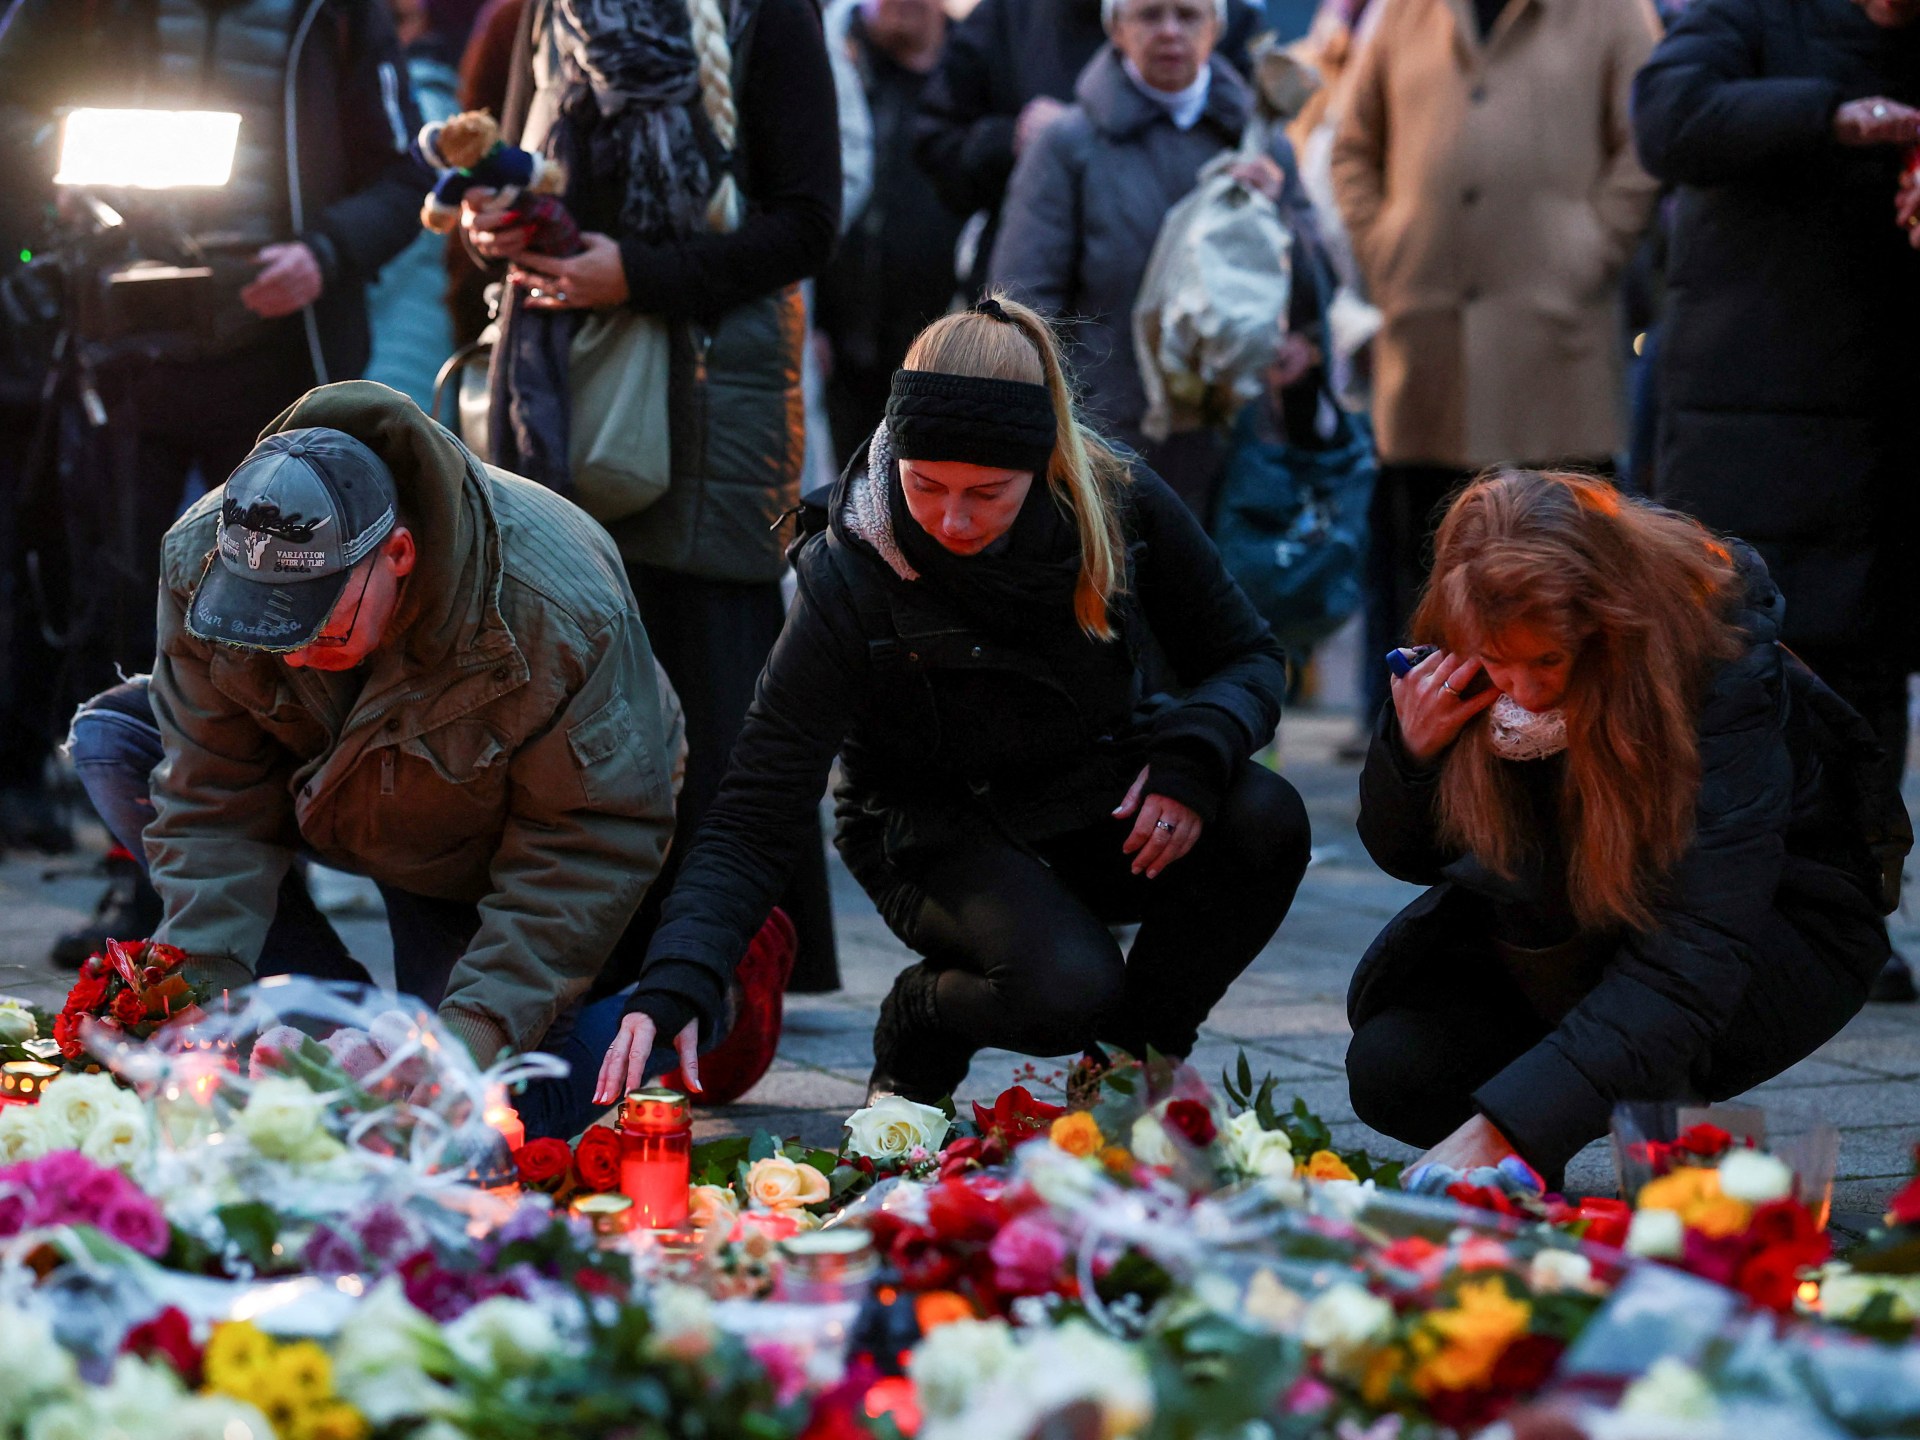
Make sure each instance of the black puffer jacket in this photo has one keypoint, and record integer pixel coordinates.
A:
(1779, 841)
(947, 732)
(1788, 367)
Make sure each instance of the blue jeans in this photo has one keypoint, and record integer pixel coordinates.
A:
(115, 744)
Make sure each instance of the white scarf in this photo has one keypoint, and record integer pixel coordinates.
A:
(1518, 734)
(1184, 106)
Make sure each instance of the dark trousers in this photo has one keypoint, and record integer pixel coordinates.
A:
(1873, 680)
(1413, 1068)
(712, 638)
(115, 745)
(1021, 940)
(1401, 518)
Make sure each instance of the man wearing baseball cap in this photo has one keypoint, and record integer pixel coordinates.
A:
(376, 650)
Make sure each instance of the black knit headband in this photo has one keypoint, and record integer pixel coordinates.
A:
(1005, 424)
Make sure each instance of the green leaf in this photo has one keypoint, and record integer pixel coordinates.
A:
(254, 1230)
(764, 1147)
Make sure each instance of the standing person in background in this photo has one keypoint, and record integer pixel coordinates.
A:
(894, 270)
(643, 78)
(485, 66)
(1092, 190)
(1788, 373)
(1007, 73)
(1485, 169)
(412, 326)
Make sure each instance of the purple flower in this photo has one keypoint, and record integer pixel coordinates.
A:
(1027, 1255)
(328, 1252)
(387, 1234)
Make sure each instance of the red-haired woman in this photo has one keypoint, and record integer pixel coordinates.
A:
(1655, 839)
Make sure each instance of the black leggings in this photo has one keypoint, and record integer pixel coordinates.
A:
(1021, 938)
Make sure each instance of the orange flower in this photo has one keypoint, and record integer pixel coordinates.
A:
(1077, 1134)
(1325, 1165)
(1473, 1335)
(1679, 1191)
(1117, 1158)
(1718, 1216)
(940, 1307)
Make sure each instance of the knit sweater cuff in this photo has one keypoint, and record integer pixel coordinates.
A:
(484, 1037)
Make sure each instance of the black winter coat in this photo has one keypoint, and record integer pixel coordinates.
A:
(1788, 368)
(1779, 842)
(946, 732)
(1005, 53)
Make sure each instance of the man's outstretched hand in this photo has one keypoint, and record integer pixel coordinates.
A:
(625, 1067)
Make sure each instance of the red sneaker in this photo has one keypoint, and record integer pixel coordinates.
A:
(735, 1065)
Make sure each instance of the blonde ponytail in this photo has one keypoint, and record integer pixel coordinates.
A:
(1085, 476)
(709, 27)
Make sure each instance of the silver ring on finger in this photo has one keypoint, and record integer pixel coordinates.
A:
(1879, 112)
(1449, 689)
(561, 296)
(1166, 825)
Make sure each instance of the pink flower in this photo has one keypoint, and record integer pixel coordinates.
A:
(1307, 1396)
(136, 1222)
(784, 1369)
(88, 1200)
(1027, 1255)
(58, 1174)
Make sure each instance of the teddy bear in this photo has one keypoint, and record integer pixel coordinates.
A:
(467, 151)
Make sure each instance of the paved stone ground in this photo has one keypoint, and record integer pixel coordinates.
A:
(1287, 1011)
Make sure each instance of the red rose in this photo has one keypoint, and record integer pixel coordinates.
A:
(597, 1157)
(66, 1033)
(1192, 1121)
(542, 1161)
(956, 1213)
(1771, 1278)
(1786, 1222)
(1016, 1116)
(128, 1008)
(1607, 1220)
(1703, 1140)
(1904, 1208)
(167, 1336)
(87, 994)
(1485, 1197)
(1524, 1366)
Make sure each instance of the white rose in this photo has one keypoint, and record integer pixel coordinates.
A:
(1656, 1235)
(379, 1360)
(1554, 1270)
(24, 1134)
(892, 1126)
(504, 1335)
(1845, 1293)
(1670, 1390)
(38, 1368)
(1755, 1177)
(1064, 1181)
(74, 1104)
(957, 1359)
(683, 1327)
(218, 1417)
(135, 1394)
(17, 1025)
(1149, 1142)
(1255, 1151)
(778, 1183)
(1346, 1324)
(1077, 1362)
(283, 1120)
(122, 1140)
(712, 1207)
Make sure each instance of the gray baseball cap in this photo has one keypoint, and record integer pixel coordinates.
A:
(299, 513)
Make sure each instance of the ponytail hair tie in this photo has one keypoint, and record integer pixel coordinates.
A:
(992, 309)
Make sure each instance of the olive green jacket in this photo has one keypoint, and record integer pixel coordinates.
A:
(513, 746)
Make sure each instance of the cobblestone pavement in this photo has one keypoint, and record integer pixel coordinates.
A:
(1287, 1011)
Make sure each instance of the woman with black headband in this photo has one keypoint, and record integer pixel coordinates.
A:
(968, 638)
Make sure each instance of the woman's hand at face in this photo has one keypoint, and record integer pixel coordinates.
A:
(1163, 831)
(488, 228)
(624, 1067)
(1429, 703)
(591, 280)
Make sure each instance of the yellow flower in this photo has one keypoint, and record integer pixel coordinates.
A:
(304, 1370)
(333, 1420)
(236, 1354)
(1117, 1158)
(1376, 1386)
(1485, 1320)
(1679, 1191)
(1077, 1134)
(1718, 1216)
(1325, 1165)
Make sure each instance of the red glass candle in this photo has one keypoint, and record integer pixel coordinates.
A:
(656, 1156)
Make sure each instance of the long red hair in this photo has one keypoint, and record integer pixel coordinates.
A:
(1642, 598)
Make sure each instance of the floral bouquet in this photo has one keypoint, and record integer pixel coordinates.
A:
(1652, 1139)
(66, 1188)
(129, 992)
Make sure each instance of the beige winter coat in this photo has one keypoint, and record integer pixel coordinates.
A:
(1493, 197)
